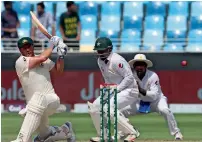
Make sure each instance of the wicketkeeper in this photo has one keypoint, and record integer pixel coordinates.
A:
(115, 70)
(34, 75)
(151, 97)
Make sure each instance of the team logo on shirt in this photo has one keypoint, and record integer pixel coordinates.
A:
(120, 65)
(24, 59)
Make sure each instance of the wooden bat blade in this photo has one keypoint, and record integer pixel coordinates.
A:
(38, 24)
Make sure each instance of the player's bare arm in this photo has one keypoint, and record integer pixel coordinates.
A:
(79, 31)
(59, 67)
(62, 32)
(33, 30)
(36, 60)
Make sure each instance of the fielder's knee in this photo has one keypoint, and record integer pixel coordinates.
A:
(164, 111)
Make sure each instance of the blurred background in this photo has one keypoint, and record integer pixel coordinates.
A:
(167, 32)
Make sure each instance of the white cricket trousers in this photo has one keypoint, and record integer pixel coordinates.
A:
(124, 98)
(160, 106)
(53, 102)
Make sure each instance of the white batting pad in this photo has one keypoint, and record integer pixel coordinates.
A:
(35, 109)
(95, 116)
(123, 122)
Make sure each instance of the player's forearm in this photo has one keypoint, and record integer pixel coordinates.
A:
(18, 25)
(47, 53)
(142, 91)
(62, 32)
(6, 29)
(34, 61)
(53, 30)
(79, 28)
(60, 65)
(33, 33)
(127, 81)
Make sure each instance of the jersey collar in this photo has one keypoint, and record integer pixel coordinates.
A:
(108, 59)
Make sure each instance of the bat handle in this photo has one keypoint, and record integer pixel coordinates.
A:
(48, 36)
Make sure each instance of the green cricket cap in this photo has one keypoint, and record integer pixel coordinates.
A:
(102, 43)
(24, 40)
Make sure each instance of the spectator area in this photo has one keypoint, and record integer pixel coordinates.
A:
(132, 26)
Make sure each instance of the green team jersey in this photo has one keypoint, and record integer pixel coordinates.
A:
(69, 22)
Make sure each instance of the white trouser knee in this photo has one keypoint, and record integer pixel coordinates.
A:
(94, 112)
(123, 122)
(52, 105)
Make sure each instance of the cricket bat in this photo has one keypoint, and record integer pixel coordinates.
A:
(38, 24)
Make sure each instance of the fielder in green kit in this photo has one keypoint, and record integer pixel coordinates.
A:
(115, 70)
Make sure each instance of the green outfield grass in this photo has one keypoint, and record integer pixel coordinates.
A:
(152, 127)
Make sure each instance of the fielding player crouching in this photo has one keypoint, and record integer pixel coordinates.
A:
(151, 97)
(115, 70)
(34, 75)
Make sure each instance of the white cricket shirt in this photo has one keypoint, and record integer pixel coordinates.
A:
(117, 71)
(151, 84)
(36, 79)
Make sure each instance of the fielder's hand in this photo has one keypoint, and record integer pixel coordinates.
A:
(141, 90)
(55, 40)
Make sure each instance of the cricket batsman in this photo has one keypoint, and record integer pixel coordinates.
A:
(34, 74)
(115, 70)
(151, 97)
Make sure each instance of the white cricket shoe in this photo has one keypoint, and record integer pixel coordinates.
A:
(97, 139)
(178, 136)
(65, 132)
(36, 139)
(132, 137)
(72, 137)
(120, 136)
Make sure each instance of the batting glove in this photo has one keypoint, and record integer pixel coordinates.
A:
(55, 40)
(62, 50)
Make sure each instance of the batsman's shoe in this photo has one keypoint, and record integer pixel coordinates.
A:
(65, 132)
(120, 136)
(97, 139)
(36, 139)
(132, 137)
(178, 136)
(72, 137)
